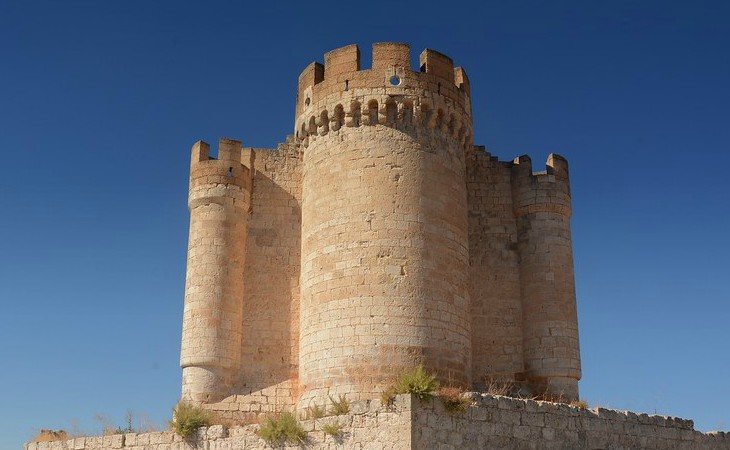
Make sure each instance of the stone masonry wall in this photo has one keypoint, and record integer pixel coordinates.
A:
(270, 343)
(268, 379)
(384, 223)
(494, 282)
(219, 201)
(490, 423)
(504, 422)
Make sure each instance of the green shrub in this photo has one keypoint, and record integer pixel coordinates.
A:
(333, 429)
(418, 383)
(187, 418)
(286, 427)
(339, 406)
(388, 396)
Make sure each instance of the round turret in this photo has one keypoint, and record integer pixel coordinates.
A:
(219, 201)
(384, 223)
(542, 207)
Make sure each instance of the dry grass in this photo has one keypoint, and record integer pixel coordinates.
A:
(50, 436)
(552, 398)
(339, 406)
(453, 399)
(388, 396)
(333, 429)
(315, 412)
(495, 386)
(579, 404)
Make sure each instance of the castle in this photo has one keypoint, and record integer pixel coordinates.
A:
(376, 238)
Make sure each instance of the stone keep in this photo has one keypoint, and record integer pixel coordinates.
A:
(375, 239)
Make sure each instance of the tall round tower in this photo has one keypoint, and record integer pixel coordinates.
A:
(550, 322)
(219, 201)
(384, 222)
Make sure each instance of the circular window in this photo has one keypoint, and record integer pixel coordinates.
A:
(307, 101)
(395, 80)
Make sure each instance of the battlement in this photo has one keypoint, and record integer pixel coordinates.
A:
(209, 176)
(228, 150)
(437, 83)
(341, 94)
(542, 191)
(386, 55)
(556, 168)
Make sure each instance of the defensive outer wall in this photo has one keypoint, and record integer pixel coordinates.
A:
(490, 423)
(376, 238)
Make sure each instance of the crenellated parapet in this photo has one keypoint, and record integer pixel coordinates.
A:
(542, 191)
(227, 178)
(340, 95)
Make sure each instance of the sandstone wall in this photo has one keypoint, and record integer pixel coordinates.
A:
(219, 200)
(494, 281)
(270, 338)
(384, 222)
(542, 205)
(491, 423)
(503, 422)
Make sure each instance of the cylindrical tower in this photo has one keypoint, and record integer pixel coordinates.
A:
(219, 200)
(550, 323)
(384, 222)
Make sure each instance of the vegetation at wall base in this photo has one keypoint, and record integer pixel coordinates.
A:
(339, 406)
(417, 382)
(188, 418)
(285, 427)
(453, 399)
(333, 429)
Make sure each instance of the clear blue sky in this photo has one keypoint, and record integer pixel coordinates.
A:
(101, 102)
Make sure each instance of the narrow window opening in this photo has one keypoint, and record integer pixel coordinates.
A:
(347, 84)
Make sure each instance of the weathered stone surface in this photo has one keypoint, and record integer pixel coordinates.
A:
(411, 424)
